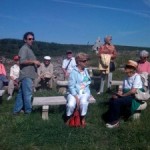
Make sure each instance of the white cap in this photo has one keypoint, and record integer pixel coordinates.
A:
(47, 57)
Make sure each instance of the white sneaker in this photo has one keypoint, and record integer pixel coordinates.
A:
(98, 93)
(34, 89)
(9, 98)
(116, 125)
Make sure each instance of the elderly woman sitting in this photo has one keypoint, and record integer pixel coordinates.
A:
(79, 92)
(143, 64)
(125, 98)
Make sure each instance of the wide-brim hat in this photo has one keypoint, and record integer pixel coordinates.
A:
(132, 63)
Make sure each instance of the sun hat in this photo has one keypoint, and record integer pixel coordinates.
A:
(47, 57)
(132, 64)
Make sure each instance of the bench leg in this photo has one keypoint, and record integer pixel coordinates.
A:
(45, 109)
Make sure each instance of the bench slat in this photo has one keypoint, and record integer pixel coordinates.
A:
(114, 82)
(2, 92)
(53, 100)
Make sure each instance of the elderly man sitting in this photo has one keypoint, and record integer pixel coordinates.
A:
(45, 74)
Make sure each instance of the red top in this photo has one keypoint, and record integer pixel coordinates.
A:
(108, 49)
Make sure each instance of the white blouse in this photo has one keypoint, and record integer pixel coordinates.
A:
(133, 82)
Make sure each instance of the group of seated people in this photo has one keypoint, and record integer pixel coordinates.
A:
(45, 75)
(79, 86)
(122, 101)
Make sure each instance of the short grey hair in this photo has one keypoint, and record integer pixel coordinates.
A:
(144, 53)
(107, 37)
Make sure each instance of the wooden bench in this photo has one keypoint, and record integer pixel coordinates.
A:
(115, 82)
(45, 102)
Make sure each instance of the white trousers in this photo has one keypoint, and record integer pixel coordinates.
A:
(11, 87)
(71, 104)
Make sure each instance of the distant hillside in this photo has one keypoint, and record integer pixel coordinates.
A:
(10, 47)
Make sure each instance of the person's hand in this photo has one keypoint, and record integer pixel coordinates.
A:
(120, 93)
(36, 62)
(66, 74)
(16, 83)
(114, 96)
(82, 86)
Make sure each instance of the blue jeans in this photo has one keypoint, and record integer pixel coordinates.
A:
(24, 96)
(3, 80)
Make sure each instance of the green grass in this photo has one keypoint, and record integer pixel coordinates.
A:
(30, 132)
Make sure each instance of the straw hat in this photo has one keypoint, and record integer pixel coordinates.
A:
(132, 64)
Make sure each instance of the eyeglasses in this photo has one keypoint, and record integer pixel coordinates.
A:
(83, 61)
(30, 39)
(144, 57)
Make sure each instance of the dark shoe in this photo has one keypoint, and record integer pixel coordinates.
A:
(27, 113)
(108, 90)
(16, 113)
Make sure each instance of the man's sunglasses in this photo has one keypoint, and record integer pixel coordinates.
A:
(30, 39)
(83, 61)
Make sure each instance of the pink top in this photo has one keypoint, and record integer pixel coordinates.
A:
(108, 49)
(143, 67)
(2, 70)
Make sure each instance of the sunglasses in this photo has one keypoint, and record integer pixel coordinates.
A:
(144, 57)
(29, 39)
(83, 61)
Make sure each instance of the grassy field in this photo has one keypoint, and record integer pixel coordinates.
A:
(30, 132)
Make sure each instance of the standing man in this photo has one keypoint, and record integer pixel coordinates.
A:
(28, 72)
(109, 49)
(68, 64)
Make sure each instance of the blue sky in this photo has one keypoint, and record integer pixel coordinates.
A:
(77, 21)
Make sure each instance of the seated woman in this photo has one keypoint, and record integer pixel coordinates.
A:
(143, 64)
(14, 77)
(126, 98)
(3, 77)
(78, 88)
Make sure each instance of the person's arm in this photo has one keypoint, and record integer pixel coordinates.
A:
(3, 70)
(72, 87)
(131, 92)
(11, 74)
(136, 84)
(148, 70)
(66, 74)
(63, 67)
(114, 54)
(24, 60)
(51, 69)
(30, 62)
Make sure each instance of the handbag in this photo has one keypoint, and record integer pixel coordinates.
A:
(75, 119)
(140, 95)
(112, 66)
